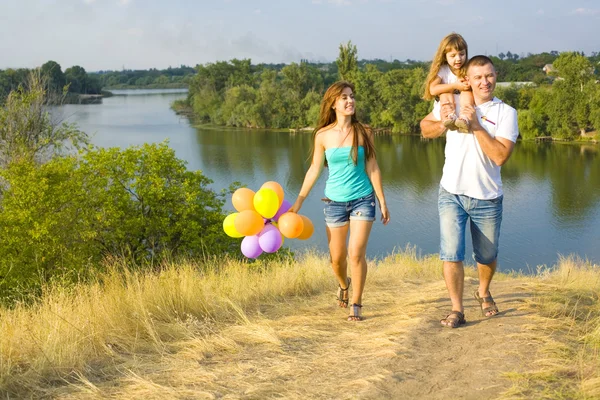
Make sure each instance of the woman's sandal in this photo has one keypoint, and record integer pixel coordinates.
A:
(454, 320)
(489, 299)
(343, 295)
(355, 312)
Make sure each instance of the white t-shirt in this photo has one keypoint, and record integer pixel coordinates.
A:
(468, 170)
(448, 77)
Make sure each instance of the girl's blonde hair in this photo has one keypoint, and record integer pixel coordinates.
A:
(453, 41)
(327, 117)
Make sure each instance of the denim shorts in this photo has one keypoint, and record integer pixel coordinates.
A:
(339, 213)
(485, 218)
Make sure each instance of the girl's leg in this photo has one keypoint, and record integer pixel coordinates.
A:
(448, 98)
(338, 252)
(357, 253)
(462, 122)
(448, 120)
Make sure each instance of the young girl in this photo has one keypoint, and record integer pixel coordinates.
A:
(446, 79)
(346, 146)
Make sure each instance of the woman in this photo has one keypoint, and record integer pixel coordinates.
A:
(346, 147)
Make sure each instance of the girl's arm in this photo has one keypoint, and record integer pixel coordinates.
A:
(313, 173)
(436, 87)
(374, 174)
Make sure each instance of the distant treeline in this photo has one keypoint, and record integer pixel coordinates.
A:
(563, 103)
(73, 81)
(166, 78)
(76, 80)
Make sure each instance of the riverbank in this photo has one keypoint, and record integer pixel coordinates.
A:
(264, 330)
(151, 86)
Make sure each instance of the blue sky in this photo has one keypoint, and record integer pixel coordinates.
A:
(142, 34)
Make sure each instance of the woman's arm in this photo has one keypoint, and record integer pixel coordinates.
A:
(313, 173)
(374, 174)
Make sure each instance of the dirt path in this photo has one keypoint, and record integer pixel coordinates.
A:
(304, 348)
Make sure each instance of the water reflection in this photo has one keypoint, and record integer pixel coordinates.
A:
(551, 190)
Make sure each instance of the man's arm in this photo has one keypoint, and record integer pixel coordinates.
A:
(497, 149)
(431, 127)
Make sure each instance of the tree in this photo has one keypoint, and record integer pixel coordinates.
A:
(347, 61)
(501, 56)
(572, 95)
(54, 75)
(76, 79)
(27, 130)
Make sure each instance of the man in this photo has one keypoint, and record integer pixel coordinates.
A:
(471, 187)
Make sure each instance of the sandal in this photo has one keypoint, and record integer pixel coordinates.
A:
(488, 299)
(454, 320)
(342, 294)
(462, 124)
(449, 123)
(356, 312)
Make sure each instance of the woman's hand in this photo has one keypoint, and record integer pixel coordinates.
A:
(385, 214)
(297, 205)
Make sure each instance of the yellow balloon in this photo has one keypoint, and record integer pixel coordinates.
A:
(249, 223)
(275, 187)
(266, 202)
(229, 226)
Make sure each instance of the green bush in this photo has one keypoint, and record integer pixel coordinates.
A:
(63, 217)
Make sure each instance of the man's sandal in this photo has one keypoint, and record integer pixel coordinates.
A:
(493, 309)
(355, 312)
(342, 294)
(454, 320)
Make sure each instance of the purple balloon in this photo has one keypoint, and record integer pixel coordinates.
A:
(250, 247)
(285, 206)
(269, 239)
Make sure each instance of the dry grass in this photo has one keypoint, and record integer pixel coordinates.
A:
(71, 331)
(567, 306)
(241, 330)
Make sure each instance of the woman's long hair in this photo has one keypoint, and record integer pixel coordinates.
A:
(453, 41)
(327, 117)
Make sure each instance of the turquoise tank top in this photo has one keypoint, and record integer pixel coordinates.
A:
(346, 181)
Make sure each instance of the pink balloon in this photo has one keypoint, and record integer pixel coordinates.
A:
(250, 247)
(285, 206)
(269, 239)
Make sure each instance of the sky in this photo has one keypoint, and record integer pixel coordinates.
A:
(142, 34)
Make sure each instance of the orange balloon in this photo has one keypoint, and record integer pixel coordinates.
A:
(290, 225)
(243, 199)
(308, 229)
(249, 223)
(276, 187)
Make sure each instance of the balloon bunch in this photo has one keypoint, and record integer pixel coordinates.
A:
(263, 220)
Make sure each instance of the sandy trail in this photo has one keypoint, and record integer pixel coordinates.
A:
(305, 348)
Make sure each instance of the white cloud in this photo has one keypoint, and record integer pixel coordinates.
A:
(88, 1)
(124, 2)
(585, 11)
(257, 11)
(446, 2)
(336, 2)
(137, 32)
(540, 12)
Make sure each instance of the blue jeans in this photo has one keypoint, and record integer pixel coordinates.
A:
(485, 216)
(339, 213)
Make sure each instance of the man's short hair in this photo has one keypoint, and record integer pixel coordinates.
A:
(479, 61)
